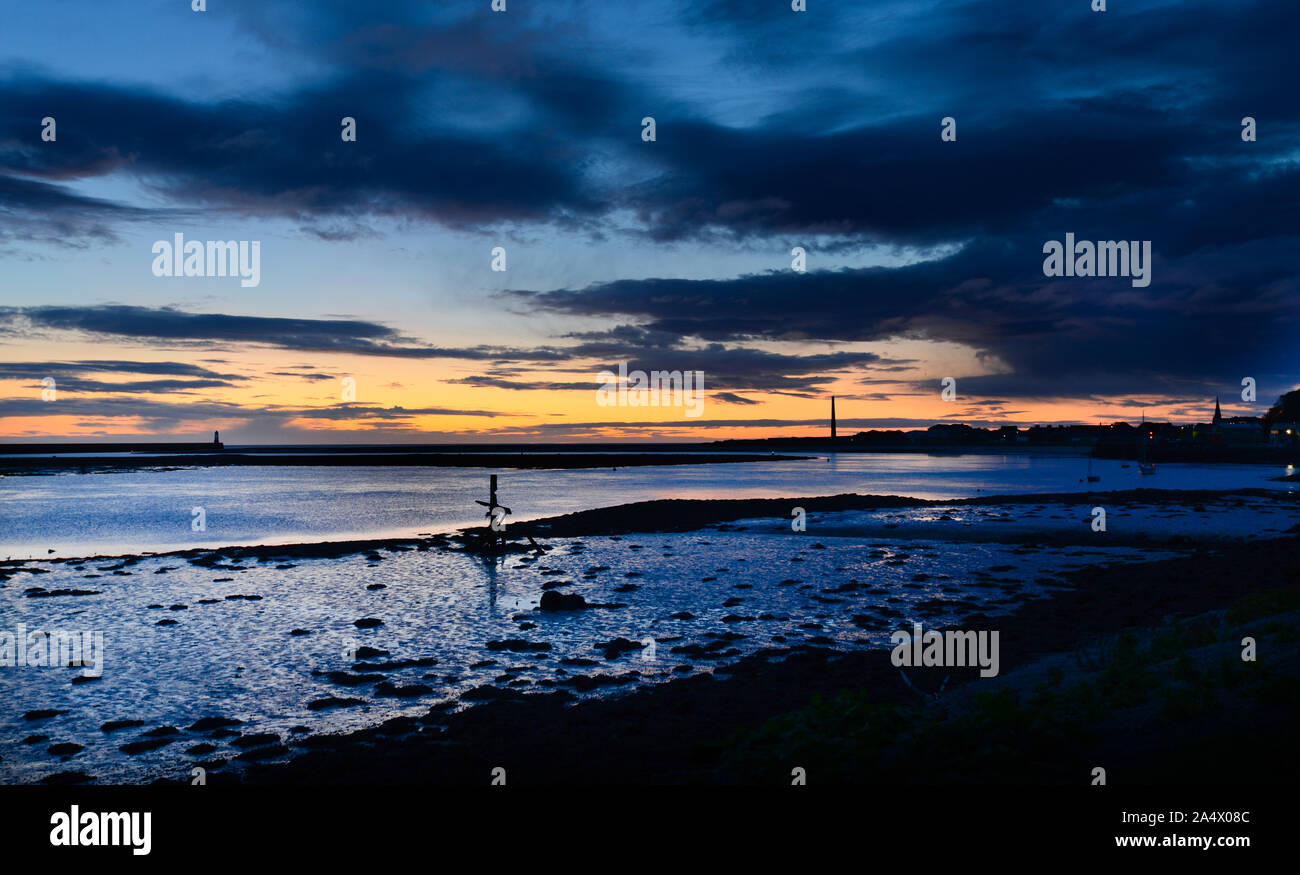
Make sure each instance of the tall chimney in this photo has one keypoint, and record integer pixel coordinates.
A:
(832, 417)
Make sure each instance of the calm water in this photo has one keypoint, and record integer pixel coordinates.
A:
(130, 512)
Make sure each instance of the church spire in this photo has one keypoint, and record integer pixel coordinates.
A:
(1218, 416)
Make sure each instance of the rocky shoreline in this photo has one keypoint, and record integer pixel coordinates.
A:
(714, 725)
(679, 732)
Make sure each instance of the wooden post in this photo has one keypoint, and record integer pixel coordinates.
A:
(492, 539)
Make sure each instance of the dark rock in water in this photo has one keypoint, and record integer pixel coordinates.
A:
(377, 586)
(264, 753)
(206, 723)
(43, 714)
(209, 601)
(585, 683)
(285, 566)
(35, 739)
(332, 702)
(300, 729)
(114, 725)
(682, 669)
(136, 747)
(485, 663)
(732, 602)
(789, 582)
(201, 749)
(578, 661)
(348, 679)
(160, 732)
(627, 587)
(255, 739)
(179, 608)
(737, 618)
(85, 679)
(364, 652)
(866, 621)
(367, 623)
(154, 607)
(422, 662)
(489, 693)
(617, 647)
(682, 615)
(518, 645)
(67, 778)
(558, 601)
(166, 623)
(404, 692)
(38, 592)
(299, 632)
(524, 627)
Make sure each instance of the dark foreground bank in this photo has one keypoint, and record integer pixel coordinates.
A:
(1149, 705)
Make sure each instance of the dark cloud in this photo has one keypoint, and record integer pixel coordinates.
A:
(351, 336)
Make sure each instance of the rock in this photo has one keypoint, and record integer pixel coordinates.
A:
(67, 778)
(135, 747)
(682, 615)
(160, 732)
(404, 692)
(364, 652)
(367, 623)
(333, 702)
(201, 749)
(614, 649)
(264, 753)
(518, 645)
(255, 739)
(206, 723)
(558, 601)
(43, 714)
(348, 679)
(489, 693)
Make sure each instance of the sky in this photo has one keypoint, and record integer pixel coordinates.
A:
(378, 316)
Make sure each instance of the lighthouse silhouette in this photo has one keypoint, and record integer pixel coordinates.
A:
(832, 417)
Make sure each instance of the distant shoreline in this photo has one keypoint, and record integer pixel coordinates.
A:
(42, 464)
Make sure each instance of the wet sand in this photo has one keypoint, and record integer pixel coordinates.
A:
(677, 731)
